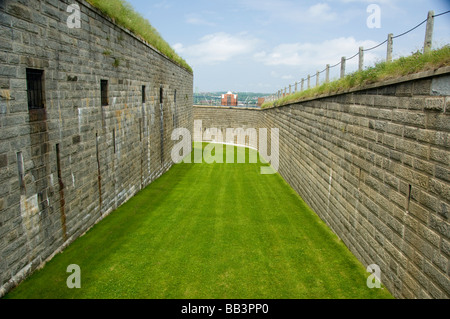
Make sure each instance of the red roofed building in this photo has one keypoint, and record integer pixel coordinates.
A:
(229, 99)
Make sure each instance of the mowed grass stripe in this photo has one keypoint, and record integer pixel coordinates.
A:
(208, 231)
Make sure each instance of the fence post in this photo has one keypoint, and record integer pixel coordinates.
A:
(290, 89)
(296, 86)
(390, 43)
(343, 67)
(317, 78)
(309, 81)
(361, 58)
(303, 85)
(429, 33)
(327, 76)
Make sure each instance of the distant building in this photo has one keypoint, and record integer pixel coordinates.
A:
(229, 99)
(261, 101)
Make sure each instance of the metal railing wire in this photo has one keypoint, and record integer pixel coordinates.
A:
(428, 37)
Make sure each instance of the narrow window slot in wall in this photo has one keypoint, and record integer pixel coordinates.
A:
(359, 179)
(161, 107)
(140, 130)
(96, 145)
(104, 92)
(99, 176)
(408, 202)
(35, 89)
(20, 168)
(62, 200)
(114, 140)
(175, 116)
(143, 94)
(58, 163)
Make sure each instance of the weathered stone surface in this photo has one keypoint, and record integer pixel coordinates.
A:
(3, 160)
(389, 167)
(373, 165)
(441, 85)
(101, 155)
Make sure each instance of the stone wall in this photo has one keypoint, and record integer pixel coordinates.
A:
(230, 118)
(373, 163)
(66, 166)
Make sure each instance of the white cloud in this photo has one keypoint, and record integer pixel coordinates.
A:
(163, 5)
(369, 1)
(276, 75)
(217, 47)
(298, 12)
(196, 19)
(317, 54)
(322, 11)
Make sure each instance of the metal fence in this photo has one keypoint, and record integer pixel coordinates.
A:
(305, 82)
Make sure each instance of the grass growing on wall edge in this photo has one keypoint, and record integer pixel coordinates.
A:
(417, 62)
(122, 13)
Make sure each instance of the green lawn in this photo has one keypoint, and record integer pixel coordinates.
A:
(213, 231)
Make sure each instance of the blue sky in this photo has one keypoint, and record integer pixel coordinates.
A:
(265, 45)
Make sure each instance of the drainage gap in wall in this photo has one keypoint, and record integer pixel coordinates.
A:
(161, 109)
(114, 140)
(140, 130)
(408, 199)
(359, 179)
(20, 168)
(143, 94)
(62, 200)
(98, 174)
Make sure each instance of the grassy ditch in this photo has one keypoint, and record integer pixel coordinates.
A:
(208, 231)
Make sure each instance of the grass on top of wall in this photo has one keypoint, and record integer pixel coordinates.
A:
(122, 13)
(208, 231)
(382, 71)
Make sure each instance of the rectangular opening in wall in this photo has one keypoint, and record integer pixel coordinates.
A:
(175, 96)
(143, 94)
(104, 92)
(140, 130)
(114, 140)
(99, 175)
(96, 145)
(408, 200)
(35, 89)
(359, 179)
(161, 92)
(20, 168)
(58, 161)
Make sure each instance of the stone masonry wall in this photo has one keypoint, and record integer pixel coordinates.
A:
(66, 166)
(230, 118)
(374, 165)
